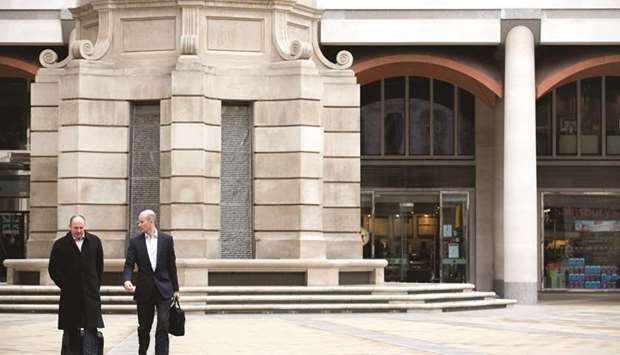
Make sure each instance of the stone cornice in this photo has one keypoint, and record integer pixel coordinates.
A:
(245, 4)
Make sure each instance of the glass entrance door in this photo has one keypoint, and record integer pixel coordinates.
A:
(454, 236)
(404, 231)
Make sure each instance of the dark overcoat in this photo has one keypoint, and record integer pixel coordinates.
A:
(79, 276)
(164, 277)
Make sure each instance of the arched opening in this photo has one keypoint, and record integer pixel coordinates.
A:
(468, 76)
(578, 146)
(418, 176)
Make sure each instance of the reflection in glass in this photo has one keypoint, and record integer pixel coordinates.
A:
(467, 114)
(443, 118)
(394, 116)
(544, 113)
(566, 118)
(371, 118)
(454, 235)
(612, 89)
(590, 134)
(367, 225)
(420, 112)
(581, 234)
(406, 235)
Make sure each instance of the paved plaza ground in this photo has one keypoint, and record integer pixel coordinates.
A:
(560, 324)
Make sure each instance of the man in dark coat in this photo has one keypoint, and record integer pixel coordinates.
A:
(76, 266)
(156, 282)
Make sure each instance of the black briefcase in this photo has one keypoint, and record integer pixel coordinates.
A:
(99, 342)
(176, 322)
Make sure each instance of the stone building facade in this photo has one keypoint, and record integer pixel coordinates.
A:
(474, 142)
(189, 65)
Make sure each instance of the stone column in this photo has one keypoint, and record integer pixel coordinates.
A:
(485, 208)
(520, 222)
(93, 150)
(498, 200)
(341, 166)
(288, 170)
(44, 163)
(190, 160)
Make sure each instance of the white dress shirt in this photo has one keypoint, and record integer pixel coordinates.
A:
(151, 248)
(79, 241)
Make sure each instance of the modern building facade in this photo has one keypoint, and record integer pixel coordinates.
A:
(473, 142)
(26, 28)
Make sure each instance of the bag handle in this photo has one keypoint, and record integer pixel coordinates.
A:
(175, 303)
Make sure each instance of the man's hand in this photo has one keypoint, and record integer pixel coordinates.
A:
(176, 296)
(129, 287)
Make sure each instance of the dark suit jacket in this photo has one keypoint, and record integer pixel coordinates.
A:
(164, 277)
(79, 276)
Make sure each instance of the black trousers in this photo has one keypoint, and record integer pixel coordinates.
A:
(71, 344)
(146, 313)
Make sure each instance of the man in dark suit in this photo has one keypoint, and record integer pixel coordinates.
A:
(156, 282)
(76, 266)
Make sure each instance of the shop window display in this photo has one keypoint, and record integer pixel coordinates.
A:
(581, 241)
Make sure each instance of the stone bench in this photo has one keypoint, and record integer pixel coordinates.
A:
(198, 272)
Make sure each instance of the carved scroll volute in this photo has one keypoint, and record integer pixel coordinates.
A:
(286, 49)
(344, 59)
(49, 58)
(189, 30)
(83, 48)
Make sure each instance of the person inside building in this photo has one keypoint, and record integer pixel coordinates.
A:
(156, 283)
(76, 266)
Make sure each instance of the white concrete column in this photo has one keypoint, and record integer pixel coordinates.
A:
(520, 261)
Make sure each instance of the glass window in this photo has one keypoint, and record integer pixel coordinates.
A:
(371, 118)
(419, 118)
(443, 118)
(12, 236)
(367, 228)
(566, 118)
(612, 89)
(420, 112)
(15, 108)
(581, 241)
(590, 136)
(467, 124)
(394, 116)
(544, 113)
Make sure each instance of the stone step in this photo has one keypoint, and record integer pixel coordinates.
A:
(398, 288)
(295, 307)
(427, 297)
(223, 299)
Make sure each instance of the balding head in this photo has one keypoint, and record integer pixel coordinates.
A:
(76, 225)
(146, 221)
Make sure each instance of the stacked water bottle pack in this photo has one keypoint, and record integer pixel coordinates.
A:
(609, 276)
(581, 275)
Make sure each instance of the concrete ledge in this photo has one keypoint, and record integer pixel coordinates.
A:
(194, 272)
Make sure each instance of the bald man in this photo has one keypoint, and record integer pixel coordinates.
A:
(76, 266)
(156, 283)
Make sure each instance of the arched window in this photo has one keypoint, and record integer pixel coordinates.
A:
(580, 118)
(408, 117)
